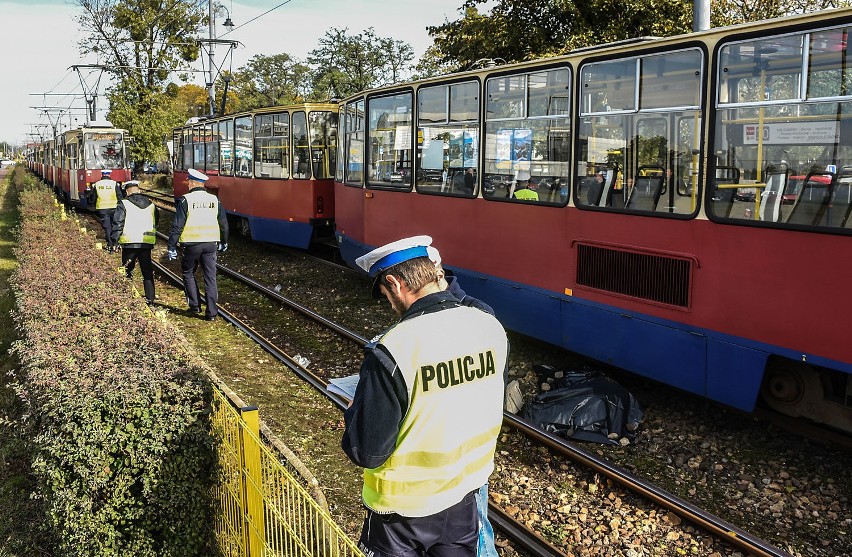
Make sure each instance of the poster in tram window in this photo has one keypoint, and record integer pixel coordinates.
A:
(503, 146)
(521, 145)
(470, 152)
(456, 149)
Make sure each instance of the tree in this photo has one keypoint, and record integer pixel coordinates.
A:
(269, 81)
(517, 30)
(345, 64)
(141, 42)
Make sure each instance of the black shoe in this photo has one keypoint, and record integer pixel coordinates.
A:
(210, 317)
(194, 310)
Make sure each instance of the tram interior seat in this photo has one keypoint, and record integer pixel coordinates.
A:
(593, 190)
(605, 199)
(840, 207)
(770, 207)
(723, 198)
(813, 200)
(645, 193)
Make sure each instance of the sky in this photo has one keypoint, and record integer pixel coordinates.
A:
(38, 46)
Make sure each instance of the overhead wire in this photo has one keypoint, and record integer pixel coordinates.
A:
(258, 17)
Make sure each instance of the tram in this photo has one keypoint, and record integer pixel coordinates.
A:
(75, 159)
(273, 169)
(634, 203)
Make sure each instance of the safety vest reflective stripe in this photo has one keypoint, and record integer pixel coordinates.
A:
(202, 218)
(107, 199)
(452, 362)
(138, 225)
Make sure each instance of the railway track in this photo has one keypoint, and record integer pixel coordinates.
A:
(518, 532)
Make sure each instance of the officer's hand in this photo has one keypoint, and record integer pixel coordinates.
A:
(222, 246)
(171, 254)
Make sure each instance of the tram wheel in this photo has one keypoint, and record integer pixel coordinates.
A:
(800, 390)
(245, 227)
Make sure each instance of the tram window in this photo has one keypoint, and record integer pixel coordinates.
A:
(212, 147)
(104, 150)
(187, 148)
(609, 86)
(177, 150)
(548, 94)
(301, 156)
(198, 148)
(648, 151)
(323, 135)
(527, 138)
(448, 139)
(787, 155)
(226, 147)
(761, 70)
(670, 80)
(390, 141)
(243, 147)
(271, 145)
(828, 75)
(353, 143)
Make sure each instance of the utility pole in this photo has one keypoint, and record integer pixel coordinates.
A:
(211, 92)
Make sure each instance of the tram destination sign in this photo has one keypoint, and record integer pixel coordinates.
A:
(793, 133)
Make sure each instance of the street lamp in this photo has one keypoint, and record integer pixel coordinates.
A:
(212, 11)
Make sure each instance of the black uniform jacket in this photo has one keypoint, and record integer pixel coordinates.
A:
(121, 214)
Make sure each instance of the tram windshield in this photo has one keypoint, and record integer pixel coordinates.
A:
(104, 150)
(783, 124)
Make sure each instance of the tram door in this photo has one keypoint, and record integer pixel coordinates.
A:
(72, 172)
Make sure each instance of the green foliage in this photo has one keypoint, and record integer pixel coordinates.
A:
(141, 42)
(272, 80)
(149, 116)
(517, 30)
(118, 410)
(345, 64)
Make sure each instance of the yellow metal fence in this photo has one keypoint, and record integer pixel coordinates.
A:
(263, 509)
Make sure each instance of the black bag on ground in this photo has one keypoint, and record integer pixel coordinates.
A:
(587, 406)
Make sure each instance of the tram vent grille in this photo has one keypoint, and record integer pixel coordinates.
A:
(650, 277)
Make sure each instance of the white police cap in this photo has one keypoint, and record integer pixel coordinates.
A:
(135, 184)
(197, 176)
(388, 255)
(106, 171)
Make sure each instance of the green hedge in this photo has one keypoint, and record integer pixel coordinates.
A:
(118, 409)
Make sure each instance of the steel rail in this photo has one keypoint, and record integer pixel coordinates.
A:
(686, 510)
(529, 540)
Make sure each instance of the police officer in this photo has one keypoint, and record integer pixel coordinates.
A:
(427, 410)
(201, 227)
(134, 227)
(105, 195)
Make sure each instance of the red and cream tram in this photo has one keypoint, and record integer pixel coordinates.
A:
(627, 202)
(272, 169)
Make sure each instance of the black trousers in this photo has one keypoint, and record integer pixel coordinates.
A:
(453, 532)
(204, 256)
(129, 257)
(105, 216)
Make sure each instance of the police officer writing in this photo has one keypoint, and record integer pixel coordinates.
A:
(134, 227)
(427, 410)
(201, 227)
(105, 195)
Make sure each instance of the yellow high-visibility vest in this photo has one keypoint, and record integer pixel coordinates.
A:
(452, 362)
(202, 218)
(526, 194)
(138, 224)
(107, 198)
